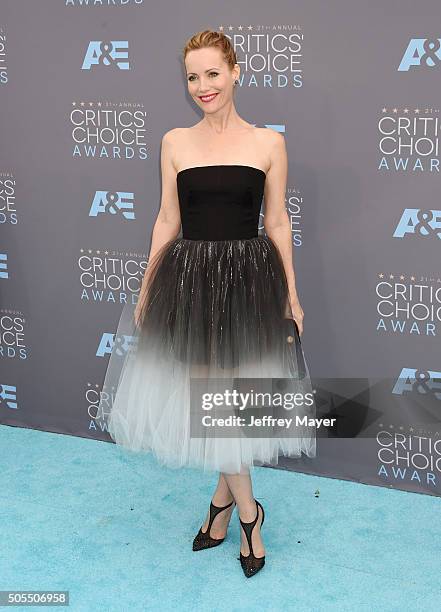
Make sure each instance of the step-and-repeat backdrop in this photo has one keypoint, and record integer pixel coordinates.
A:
(87, 91)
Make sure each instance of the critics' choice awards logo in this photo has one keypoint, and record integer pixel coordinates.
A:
(409, 140)
(111, 276)
(408, 305)
(108, 130)
(99, 403)
(113, 202)
(8, 212)
(12, 335)
(421, 52)
(113, 53)
(408, 456)
(417, 222)
(3, 59)
(269, 56)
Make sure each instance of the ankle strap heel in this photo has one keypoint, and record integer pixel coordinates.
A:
(251, 564)
(203, 539)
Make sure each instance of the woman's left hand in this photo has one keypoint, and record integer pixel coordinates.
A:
(295, 311)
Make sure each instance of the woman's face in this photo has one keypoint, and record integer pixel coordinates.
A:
(209, 78)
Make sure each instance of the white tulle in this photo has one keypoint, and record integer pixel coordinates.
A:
(145, 407)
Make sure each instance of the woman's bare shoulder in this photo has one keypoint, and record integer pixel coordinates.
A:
(174, 133)
(269, 135)
(173, 142)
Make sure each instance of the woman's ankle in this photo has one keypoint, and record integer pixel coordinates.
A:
(248, 511)
(222, 499)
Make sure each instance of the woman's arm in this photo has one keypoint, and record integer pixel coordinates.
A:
(276, 220)
(168, 222)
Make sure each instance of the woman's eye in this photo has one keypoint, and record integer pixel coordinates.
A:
(191, 78)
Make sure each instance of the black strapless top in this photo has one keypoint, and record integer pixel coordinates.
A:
(220, 202)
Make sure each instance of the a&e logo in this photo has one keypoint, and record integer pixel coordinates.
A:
(419, 381)
(8, 396)
(113, 202)
(4, 265)
(119, 345)
(421, 52)
(107, 53)
(422, 223)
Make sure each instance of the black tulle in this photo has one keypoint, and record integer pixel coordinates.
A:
(218, 303)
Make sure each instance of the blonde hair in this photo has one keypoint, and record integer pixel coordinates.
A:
(211, 38)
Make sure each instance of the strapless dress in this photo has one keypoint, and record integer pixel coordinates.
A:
(214, 313)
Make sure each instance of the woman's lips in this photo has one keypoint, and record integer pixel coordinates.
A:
(208, 98)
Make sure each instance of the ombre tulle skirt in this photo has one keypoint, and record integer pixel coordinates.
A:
(213, 319)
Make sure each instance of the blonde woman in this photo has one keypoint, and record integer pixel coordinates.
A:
(218, 302)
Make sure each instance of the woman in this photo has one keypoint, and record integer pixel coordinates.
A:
(217, 303)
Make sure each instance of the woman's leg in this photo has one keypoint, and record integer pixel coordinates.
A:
(222, 495)
(241, 488)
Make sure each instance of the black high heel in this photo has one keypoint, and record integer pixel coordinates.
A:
(203, 538)
(251, 564)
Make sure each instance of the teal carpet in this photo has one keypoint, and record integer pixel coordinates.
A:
(115, 530)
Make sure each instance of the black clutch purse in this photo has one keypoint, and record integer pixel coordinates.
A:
(293, 341)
